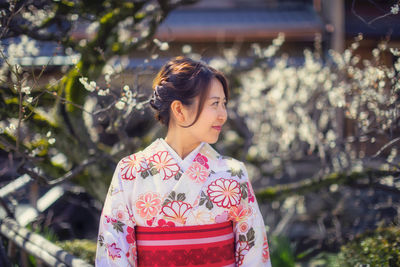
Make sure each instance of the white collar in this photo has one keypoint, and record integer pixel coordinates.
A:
(187, 161)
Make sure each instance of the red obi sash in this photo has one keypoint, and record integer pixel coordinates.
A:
(200, 245)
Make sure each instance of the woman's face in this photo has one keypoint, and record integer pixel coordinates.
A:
(209, 124)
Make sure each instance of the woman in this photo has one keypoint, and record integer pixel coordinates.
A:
(179, 202)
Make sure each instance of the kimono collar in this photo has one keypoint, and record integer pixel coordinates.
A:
(187, 161)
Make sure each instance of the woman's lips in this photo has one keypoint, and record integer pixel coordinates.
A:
(218, 128)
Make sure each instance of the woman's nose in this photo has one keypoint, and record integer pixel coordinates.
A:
(222, 114)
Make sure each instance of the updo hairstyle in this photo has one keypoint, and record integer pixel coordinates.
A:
(183, 79)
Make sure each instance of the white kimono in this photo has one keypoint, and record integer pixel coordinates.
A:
(155, 187)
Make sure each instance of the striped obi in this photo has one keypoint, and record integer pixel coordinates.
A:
(200, 245)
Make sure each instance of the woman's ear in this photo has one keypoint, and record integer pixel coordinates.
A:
(177, 110)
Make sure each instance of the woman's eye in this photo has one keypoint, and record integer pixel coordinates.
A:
(215, 103)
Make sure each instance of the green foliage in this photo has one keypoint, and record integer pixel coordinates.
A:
(81, 248)
(380, 247)
(281, 251)
(45, 232)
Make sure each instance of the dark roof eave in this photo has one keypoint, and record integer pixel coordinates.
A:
(251, 34)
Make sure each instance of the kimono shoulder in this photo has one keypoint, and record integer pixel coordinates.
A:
(132, 166)
(233, 166)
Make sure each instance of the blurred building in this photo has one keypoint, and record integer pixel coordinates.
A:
(209, 26)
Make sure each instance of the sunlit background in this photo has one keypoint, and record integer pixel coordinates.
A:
(314, 114)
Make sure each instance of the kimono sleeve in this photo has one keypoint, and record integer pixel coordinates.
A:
(116, 244)
(249, 229)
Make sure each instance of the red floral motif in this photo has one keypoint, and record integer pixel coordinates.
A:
(164, 164)
(131, 165)
(130, 237)
(150, 222)
(243, 227)
(224, 192)
(164, 223)
(251, 193)
(203, 160)
(197, 172)
(176, 211)
(113, 251)
(265, 249)
(239, 213)
(109, 219)
(242, 247)
(148, 205)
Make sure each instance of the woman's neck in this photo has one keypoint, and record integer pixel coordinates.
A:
(180, 143)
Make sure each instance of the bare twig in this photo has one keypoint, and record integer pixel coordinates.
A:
(315, 184)
(386, 146)
(69, 175)
(353, 10)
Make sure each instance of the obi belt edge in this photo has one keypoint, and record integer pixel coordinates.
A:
(199, 245)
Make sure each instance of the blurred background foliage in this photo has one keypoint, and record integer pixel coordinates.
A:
(314, 112)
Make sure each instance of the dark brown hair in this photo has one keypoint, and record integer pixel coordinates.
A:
(183, 79)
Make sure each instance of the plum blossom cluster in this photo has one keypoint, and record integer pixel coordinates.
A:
(319, 107)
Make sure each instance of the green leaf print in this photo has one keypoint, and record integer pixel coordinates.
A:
(101, 240)
(239, 172)
(144, 174)
(118, 226)
(209, 205)
(244, 190)
(153, 171)
(251, 244)
(181, 197)
(178, 175)
(251, 235)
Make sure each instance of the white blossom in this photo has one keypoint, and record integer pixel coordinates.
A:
(394, 9)
(26, 90)
(104, 92)
(52, 140)
(186, 49)
(120, 105)
(90, 86)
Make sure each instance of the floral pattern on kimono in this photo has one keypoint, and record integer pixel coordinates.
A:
(155, 187)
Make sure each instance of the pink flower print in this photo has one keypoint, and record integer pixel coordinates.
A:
(224, 192)
(148, 205)
(197, 172)
(130, 237)
(250, 192)
(130, 166)
(164, 164)
(203, 160)
(239, 213)
(265, 249)
(176, 211)
(113, 251)
(243, 227)
(242, 247)
(223, 217)
(119, 213)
